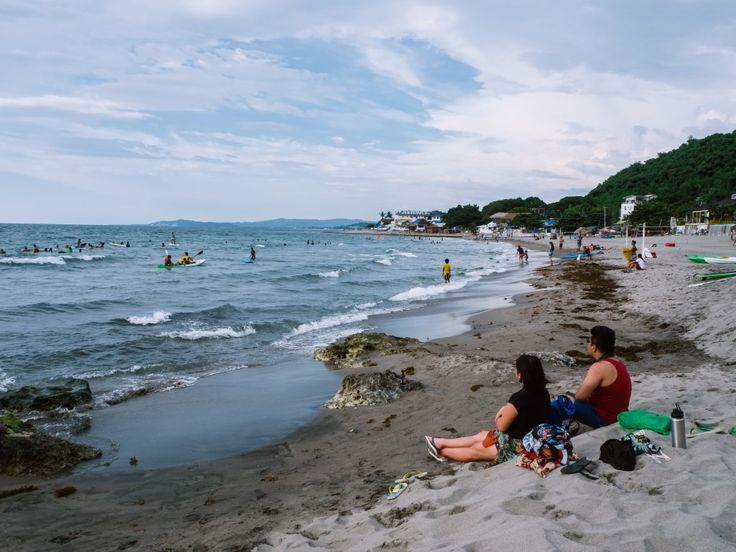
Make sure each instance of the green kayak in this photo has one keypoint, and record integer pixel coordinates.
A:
(715, 275)
(190, 265)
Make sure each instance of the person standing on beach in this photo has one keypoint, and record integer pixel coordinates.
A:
(606, 389)
(447, 271)
(562, 240)
(551, 251)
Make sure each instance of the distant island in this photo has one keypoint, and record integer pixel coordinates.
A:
(280, 223)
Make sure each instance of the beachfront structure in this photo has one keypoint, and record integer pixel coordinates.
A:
(503, 217)
(629, 203)
(415, 221)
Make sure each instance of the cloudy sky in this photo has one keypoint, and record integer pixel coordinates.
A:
(230, 110)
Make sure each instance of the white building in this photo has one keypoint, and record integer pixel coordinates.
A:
(630, 202)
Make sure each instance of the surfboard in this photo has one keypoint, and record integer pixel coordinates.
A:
(247, 260)
(715, 275)
(582, 255)
(711, 260)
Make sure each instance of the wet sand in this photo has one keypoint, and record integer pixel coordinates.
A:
(324, 487)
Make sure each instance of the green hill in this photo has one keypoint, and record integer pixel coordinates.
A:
(700, 174)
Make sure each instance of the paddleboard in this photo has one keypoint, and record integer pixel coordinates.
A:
(715, 275)
(247, 260)
(113, 244)
(711, 260)
(581, 255)
(190, 265)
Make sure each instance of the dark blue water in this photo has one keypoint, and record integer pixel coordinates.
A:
(112, 317)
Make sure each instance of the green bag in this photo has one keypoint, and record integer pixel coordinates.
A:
(644, 419)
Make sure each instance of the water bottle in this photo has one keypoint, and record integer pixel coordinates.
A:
(678, 427)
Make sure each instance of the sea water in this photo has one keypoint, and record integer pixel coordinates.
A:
(193, 363)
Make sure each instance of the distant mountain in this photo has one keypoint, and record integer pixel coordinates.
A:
(280, 223)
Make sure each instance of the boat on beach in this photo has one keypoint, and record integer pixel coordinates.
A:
(711, 260)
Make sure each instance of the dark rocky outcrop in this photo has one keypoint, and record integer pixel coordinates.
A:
(371, 389)
(25, 450)
(351, 351)
(71, 393)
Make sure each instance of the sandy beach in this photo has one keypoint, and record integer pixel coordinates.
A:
(324, 487)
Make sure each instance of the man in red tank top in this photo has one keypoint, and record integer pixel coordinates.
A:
(606, 389)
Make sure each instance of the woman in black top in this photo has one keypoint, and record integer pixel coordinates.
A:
(526, 408)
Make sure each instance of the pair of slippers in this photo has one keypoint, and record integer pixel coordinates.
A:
(580, 466)
(432, 449)
(401, 484)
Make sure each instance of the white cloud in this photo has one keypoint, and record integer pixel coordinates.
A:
(86, 106)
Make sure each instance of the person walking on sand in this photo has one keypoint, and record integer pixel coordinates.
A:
(447, 271)
(525, 409)
(551, 251)
(606, 388)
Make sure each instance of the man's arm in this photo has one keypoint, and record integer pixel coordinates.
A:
(592, 381)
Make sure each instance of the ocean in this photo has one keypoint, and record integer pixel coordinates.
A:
(188, 364)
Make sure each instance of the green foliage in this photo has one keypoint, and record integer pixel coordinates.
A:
(654, 213)
(530, 221)
(466, 216)
(515, 205)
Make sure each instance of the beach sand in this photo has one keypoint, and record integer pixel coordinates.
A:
(324, 488)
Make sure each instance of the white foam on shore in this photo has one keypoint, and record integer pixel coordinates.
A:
(217, 333)
(6, 381)
(156, 318)
(422, 293)
(33, 260)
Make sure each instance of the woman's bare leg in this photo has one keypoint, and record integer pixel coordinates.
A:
(460, 442)
(472, 453)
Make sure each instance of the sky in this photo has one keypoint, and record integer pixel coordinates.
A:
(241, 110)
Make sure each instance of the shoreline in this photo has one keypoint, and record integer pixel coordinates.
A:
(325, 484)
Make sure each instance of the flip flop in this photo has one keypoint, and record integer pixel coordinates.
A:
(432, 449)
(395, 490)
(411, 476)
(580, 466)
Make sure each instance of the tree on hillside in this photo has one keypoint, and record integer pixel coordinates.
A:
(466, 216)
(531, 221)
(515, 205)
(654, 213)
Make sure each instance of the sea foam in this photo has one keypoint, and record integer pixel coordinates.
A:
(33, 260)
(423, 293)
(216, 333)
(156, 318)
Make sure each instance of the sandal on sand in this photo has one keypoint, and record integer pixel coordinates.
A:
(411, 476)
(580, 466)
(432, 449)
(395, 490)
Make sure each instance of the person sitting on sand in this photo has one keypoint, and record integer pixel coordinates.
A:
(526, 408)
(637, 264)
(185, 259)
(447, 271)
(606, 389)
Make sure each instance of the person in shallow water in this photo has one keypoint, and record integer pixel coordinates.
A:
(447, 271)
(526, 408)
(186, 259)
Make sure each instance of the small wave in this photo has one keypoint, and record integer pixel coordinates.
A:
(386, 262)
(259, 245)
(6, 381)
(114, 371)
(422, 293)
(117, 396)
(155, 318)
(83, 257)
(364, 306)
(217, 333)
(400, 253)
(33, 261)
(333, 274)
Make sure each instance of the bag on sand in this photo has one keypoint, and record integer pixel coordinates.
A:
(619, 453)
